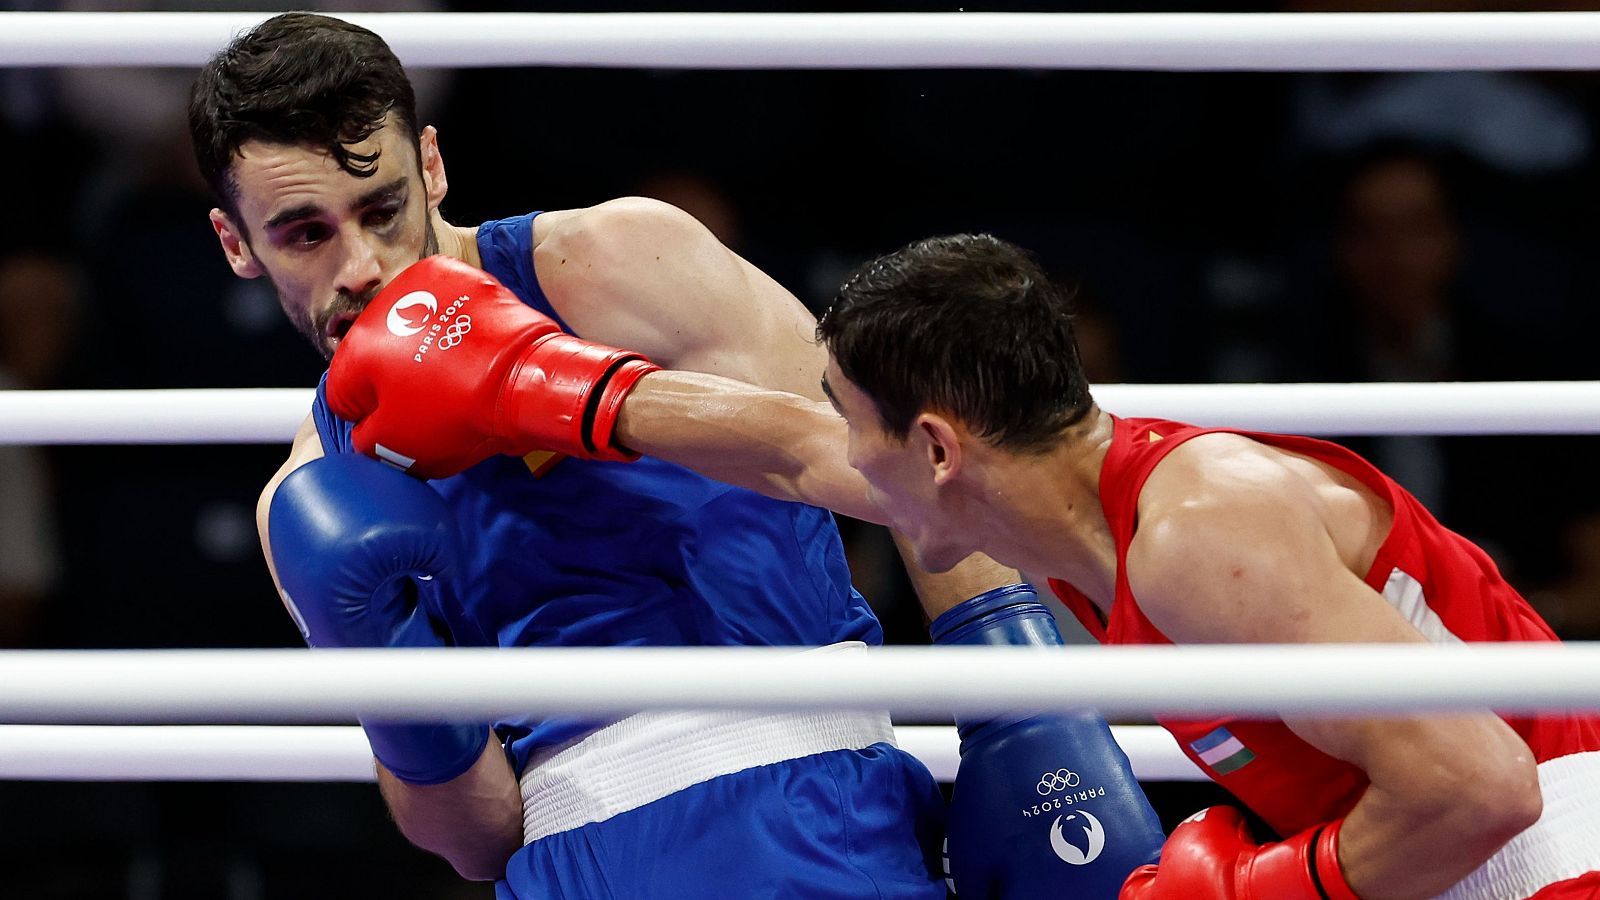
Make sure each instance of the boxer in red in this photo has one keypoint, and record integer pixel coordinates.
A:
(968, 425)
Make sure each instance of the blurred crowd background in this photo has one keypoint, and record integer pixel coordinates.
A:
(1217, 227)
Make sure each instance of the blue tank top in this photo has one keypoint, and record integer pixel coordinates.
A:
(570, 552)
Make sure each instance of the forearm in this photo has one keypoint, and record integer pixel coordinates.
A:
(1432, 814)
(775, 443)
(474, 820)
(971, 577)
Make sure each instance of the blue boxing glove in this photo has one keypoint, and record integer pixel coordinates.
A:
(1043, 806)
(363, 552)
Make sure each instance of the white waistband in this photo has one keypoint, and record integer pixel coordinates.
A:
(1563, 844)
(645, 757)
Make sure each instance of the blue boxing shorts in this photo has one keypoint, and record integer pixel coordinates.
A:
(696, 805)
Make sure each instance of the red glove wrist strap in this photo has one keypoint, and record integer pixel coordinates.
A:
(1323, 860)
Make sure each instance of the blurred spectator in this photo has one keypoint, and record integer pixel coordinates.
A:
(38, 298)
(1398, 252)
(1572, 603)
(1418, 272)
(1507, 121)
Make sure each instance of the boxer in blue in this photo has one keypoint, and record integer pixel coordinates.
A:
(306, 130)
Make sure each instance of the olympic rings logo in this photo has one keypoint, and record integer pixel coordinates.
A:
(1059, 780)
(456, 333)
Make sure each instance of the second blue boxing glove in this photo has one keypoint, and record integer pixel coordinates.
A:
(1044, 806)
(367, 556)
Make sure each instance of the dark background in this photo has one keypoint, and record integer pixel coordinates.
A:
(1218, 227)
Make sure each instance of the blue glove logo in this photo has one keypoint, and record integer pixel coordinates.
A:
(1068, 851)
(1059, 780)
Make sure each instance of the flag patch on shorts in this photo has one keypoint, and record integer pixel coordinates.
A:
(1222, 752)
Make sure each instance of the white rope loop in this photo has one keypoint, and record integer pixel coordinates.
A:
(485, 684)
(1157, 41)
(271, 415)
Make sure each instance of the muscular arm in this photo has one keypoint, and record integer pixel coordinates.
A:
(644, 275)
(474, 820)
(640, 274)
(971, 577)
(775, 443)
(1247, 557)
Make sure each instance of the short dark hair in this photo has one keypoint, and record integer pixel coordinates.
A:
(297, 78)
(967, 325)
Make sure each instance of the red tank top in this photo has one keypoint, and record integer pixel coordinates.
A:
(1447, 587)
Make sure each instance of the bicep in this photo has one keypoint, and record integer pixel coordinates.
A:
(1272, 575)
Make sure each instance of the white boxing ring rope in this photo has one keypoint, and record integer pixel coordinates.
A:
(67, 686)
(303, 686)
(1163, 41)
(340, 753)
(298, 686)
(271, 415)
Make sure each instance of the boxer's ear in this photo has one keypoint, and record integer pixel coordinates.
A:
(234, 246)
(434, 182)
(942, 446)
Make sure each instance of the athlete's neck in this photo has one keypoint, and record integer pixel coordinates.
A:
(458, 241)
(1043, 512)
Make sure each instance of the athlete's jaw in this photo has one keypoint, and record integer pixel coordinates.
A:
(327, 326)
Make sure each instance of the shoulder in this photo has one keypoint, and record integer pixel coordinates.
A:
(613, 231)
(1218, 474)
(1224, 524)
(634, 251)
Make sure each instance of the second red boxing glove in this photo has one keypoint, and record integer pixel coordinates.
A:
(1212, 856)
(447, 367)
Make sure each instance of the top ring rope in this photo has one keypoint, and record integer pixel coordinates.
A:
(1161, 41)
(271, 415)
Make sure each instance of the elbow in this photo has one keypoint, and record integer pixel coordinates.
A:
(482, 858)
(481, 866)
(481, 854)
(1523, 801)
(1503, 802)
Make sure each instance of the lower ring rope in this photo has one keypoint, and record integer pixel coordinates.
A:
(340, 753)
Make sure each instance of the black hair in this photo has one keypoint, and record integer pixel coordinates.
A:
(967, 325)
(297, 79)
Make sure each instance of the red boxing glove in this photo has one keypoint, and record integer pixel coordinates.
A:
(1212, 856)
(446, 367)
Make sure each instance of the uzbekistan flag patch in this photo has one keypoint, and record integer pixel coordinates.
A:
(1222, 752)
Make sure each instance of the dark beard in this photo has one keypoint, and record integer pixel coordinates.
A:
(343, 303)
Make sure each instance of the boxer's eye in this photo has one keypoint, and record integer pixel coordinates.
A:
(306, 236)
(383, 216)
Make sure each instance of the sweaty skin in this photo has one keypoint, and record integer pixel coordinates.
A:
(632, 273)
(1237, 542)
